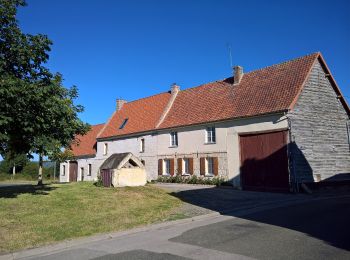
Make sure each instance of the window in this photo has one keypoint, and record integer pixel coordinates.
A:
(166, 170)
(185, 166)
(105, 148)
(210, 135)
(82, 173)
(173, 139)
(89, 169)
(142, 145)
(124, 123)
(63, 170)
(210, 166)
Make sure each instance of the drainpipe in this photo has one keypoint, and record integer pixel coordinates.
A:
(291, 167)
(348, 131)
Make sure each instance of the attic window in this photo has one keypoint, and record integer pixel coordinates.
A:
(124, 123)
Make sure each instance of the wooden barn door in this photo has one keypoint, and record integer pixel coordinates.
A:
(264, 161)
(73, 171)
(106, 176)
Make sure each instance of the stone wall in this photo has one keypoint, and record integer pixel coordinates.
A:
(320, 144)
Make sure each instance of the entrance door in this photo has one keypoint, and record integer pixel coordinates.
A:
(106, 176)
(264, 161)
(73, 171)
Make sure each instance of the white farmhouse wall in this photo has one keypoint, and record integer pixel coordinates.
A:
(191, 142)
(64, 175)
(132, 145)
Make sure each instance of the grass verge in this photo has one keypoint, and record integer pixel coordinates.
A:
(31, 216)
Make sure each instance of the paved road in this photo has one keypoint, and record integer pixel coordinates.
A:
(315, 229)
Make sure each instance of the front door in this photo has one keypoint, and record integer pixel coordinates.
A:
(73, 171)
(106, 176)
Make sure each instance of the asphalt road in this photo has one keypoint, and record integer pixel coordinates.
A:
(315, 229)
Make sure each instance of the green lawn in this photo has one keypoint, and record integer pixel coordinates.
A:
(32, 216)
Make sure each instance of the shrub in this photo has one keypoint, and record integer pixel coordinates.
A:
(192, 180)
(99, 182)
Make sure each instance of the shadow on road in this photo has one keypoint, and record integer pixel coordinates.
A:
(326, 220)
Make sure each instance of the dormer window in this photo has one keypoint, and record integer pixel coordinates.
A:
(124, 123)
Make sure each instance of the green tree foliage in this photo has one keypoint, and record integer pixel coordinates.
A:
(37, 113)
(13, 163)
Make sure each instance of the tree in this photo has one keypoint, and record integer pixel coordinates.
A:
(37, 113)
(14, 161)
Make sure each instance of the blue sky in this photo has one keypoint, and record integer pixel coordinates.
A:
(132, 49)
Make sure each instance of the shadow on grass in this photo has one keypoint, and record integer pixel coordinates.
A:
(14, 190)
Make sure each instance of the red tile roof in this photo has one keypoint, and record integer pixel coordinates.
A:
(268, 90)
(263, 91)
(142, 115)
(86, 144)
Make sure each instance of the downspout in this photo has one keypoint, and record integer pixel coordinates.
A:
(348, 131)
(291, 168)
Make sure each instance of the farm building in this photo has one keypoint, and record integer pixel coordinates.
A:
(268, 129)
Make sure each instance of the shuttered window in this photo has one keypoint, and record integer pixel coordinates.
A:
(186, 169)
(179, 166)
(160, 167)
(210, 166)
(166, 167)
(202, 166)
(172, 167)
(190, 166)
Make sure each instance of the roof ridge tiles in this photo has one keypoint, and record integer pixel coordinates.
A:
(140, 99)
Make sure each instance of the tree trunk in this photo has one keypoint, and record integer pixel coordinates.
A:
(40, 175)
(14, 170)
(54, 172)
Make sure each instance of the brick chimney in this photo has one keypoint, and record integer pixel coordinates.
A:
(174, 89)
(120, 103)
(237, 74)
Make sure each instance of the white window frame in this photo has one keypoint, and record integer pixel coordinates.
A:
(166, 167)
(63, 170)
(142, 145)
(185, 166)
(105, 148)
(89, 169)
(209, 166)
(210, 135)
(174, 140)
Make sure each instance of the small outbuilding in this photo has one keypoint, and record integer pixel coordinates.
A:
(123, 169)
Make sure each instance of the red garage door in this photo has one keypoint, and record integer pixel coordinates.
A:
(264, 161)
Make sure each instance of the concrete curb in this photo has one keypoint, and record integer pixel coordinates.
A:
(66, 244)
